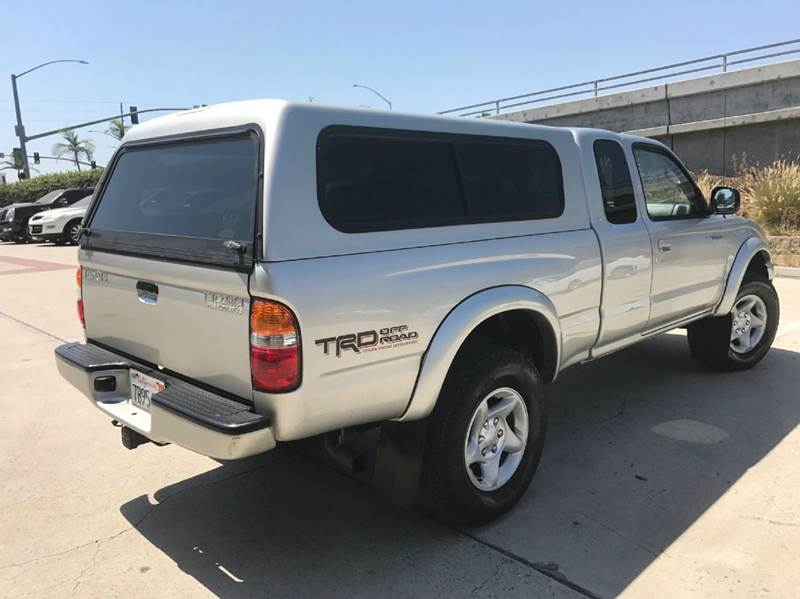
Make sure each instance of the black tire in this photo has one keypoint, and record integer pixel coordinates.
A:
(710, 338)
(475, 375)
(70, 231)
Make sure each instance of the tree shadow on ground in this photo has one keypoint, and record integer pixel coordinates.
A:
(639, 445)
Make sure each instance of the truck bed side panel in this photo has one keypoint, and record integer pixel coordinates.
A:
(410, 291)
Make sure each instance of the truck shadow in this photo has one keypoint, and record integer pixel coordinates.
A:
(640, 445)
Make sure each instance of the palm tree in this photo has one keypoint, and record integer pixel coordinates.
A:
(116, 129)
(74, 146)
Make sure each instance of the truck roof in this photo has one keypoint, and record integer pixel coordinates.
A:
(267, 112)
(290, 133)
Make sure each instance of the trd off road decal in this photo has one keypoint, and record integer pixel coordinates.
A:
(366, 341)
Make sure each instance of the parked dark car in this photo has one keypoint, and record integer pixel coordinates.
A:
(14, 218)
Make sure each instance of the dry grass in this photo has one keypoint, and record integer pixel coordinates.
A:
(707, 182)
(786, 260)
(770, 194)
(774, 192)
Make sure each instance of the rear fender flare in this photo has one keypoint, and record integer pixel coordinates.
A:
(456, 327)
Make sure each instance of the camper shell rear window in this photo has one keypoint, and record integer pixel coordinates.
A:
(193, 200)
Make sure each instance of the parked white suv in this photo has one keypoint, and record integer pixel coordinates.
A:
(59, 225)
(263, 271)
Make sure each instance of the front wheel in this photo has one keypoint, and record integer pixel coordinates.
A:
(71, 232)
(741, 339)
(485, 436)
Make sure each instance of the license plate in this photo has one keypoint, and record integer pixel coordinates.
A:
(143, 388)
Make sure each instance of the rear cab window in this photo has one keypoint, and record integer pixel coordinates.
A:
(616, 186)
(189, 200)
(383, 179)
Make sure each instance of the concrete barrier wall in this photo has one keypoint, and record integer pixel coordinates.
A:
(713, 122)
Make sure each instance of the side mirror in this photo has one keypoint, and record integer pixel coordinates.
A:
(725, 200)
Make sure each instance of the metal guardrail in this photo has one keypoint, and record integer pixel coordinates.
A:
(721, 62)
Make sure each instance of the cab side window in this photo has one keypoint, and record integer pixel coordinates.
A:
(668, 191)
(615, 182)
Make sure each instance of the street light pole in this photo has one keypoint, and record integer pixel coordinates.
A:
(376, 92)
(20, 128)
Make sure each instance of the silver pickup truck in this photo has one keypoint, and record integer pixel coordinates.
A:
(259, 272)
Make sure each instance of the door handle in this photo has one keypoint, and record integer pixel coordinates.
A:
(147, 292)
(664, 245)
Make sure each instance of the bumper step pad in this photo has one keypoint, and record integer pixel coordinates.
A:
(205, 407)
(208, 408)
(92, 358)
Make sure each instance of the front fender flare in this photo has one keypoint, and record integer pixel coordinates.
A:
(457, 326)
(744, 256)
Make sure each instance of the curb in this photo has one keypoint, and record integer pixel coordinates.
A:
(787, 271)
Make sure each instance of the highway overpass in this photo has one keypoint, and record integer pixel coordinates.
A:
(713, 122)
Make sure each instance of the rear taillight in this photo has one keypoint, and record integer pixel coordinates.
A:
(79, 281)
(274, 347)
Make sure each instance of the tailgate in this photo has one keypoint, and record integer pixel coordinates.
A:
(191, 320)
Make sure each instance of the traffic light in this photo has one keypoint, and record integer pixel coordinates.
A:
(17, 155)
(134, 115)
(36, 157)
(93, 164)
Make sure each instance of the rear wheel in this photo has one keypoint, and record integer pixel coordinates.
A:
(485, 436)
(741, 339)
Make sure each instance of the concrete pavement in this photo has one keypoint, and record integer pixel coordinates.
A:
(658, 479)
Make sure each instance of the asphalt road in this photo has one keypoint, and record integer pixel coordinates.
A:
(659, 479)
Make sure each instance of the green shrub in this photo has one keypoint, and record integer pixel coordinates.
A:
(32, 189)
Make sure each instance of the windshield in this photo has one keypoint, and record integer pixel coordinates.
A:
(201, 189)
(48, 198)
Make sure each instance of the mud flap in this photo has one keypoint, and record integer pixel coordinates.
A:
(398, 462)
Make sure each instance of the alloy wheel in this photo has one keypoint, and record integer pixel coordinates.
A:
(748, 323)
(74, 233)
(496, 438)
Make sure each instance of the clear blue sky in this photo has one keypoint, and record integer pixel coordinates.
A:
(424, 56)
